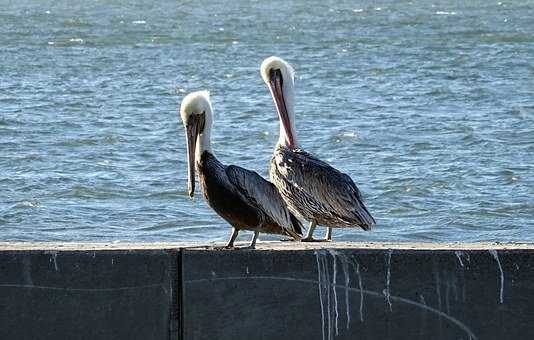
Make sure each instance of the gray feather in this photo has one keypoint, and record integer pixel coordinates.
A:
(315, 190)
(263, 195)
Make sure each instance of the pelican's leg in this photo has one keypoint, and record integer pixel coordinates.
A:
(311, 229)
(254, 239)
(328, 235)
(230, 244)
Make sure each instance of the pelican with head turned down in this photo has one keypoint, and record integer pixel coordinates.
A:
(311, 188)
(240, 196)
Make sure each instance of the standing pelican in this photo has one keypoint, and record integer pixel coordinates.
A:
(311, 188)
(240, 196)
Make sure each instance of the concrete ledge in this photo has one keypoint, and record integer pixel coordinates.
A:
(294, 290)
(89, 295)
(262, 245)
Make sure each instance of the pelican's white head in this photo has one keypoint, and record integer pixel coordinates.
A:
(196, 104)
(280, 79)
(197, 116)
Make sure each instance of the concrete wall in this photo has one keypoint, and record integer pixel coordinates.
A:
(117, 294)
(350, 291)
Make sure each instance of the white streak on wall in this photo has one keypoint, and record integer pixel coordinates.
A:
(493, 253)
(334, 281)
(320, 286)
(361, 290)
(459, 255)
(345, 266)
(356, 266)
(27, 270)
(54, 260)
(328, 287)
(386, 291)
(376, 294)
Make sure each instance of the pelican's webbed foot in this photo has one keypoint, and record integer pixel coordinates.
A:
(249, 247)
(230, 244)
(311, 239)
(309, 236)
(287, 240)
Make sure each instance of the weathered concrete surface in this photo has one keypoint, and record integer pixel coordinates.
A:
(359, 294)
(89, 294)
(282, 290)
(262, 245)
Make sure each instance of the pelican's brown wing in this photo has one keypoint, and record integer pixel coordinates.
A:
(264, 195)
(322, 191)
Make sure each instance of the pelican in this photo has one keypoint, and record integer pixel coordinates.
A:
(310, 187)
(240, 196)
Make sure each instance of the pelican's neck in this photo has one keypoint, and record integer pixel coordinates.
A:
(288, 89)
(283, 140)
(204, 139)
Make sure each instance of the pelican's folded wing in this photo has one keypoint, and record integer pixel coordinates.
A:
(265, 196)
(340, 195)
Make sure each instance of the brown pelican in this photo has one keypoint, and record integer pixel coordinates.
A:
(240, 196)
(311, 188)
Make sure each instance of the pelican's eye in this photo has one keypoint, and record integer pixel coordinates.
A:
(276, 73)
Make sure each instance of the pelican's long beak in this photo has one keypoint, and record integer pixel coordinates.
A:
(275, 85)
(191, 132)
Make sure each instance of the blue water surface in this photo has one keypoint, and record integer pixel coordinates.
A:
(428, 105)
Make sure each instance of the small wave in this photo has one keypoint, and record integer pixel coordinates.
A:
(159, 226)
(30, 157)
(167, 194)
(349, 134)
(419, 146)
(30, 204)
(139, 22)
(112, 139)
(78, 142)
(344, 136)
(80, 191)
(66, 42)
(200, 228)
(445, 13)
(515, 208)
(76, 22)
(510, 176)
(105, 140)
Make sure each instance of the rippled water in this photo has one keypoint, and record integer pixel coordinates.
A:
(429, 107)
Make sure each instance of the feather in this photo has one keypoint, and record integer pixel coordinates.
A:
(316, 191)
(265, 197)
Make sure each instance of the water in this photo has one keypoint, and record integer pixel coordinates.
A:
(429, 107)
